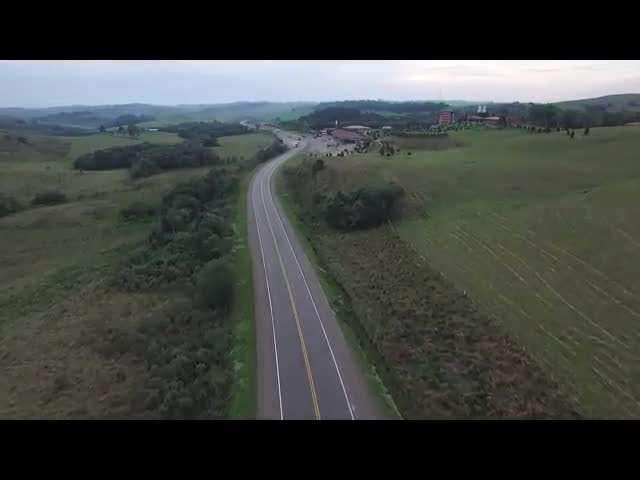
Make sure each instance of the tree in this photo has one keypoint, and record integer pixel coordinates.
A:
(133, 131)
(102, 129)
(586, 131)
(543, 115)
(573, 133)
(570, 119)
(120, 130)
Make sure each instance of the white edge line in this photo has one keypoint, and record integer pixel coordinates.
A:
(344, 390)
(273, 328)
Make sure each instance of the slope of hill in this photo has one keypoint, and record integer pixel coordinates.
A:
(612, 103)
(233, 112)
(92, 116)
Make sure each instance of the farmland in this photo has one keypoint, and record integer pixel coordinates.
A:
(530, 236)
(58, 307)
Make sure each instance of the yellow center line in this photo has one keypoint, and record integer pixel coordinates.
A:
(314, 398)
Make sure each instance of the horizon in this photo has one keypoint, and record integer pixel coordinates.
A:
(49, 84)
(85, 105)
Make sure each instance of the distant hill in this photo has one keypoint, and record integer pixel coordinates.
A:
(19, 126)
(611, 103)
(385, 106)
(86, 116)
(237, 111)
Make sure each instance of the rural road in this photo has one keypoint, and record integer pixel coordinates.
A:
(305, 368)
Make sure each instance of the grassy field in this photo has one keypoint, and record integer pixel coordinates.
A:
(54, 288)
(243, 145)
(538, 231)
(46, 164)
(243, 392)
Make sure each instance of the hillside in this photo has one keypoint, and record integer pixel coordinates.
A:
(612, 103)
(506, 234)
(91, 117)
(96, 320)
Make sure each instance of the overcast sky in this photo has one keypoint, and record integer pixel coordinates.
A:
(51, 83)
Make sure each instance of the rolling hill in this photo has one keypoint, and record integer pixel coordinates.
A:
(612, 103)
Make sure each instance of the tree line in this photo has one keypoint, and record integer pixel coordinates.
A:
(146, 159)
(205, 131)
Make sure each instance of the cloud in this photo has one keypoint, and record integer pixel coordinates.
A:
(46, 83)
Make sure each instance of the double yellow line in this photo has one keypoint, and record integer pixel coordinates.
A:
(314, 397)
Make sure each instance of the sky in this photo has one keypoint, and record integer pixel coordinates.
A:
(171, 82)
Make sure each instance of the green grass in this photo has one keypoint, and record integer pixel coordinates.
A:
(243, 391)
(438, 356)
(243, 145)
(540, 232)
(46, 163)
(55, 292)
(90, 143)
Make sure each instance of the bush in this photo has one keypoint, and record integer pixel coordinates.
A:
(200, 130)
(366, 207)
(138, 211)
(8, 205)
(210, 142)
(143, 168)
(216, 284)
(272, 151)
(49, 198)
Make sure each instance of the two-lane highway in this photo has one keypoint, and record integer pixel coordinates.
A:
(305, 367)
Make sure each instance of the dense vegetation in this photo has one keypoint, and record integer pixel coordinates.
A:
(206, 131)
(379, 105)
(8, 205)
(361, 208)
(276, 148)
(122, 120)
(32, 127)
(185, 346)
(146, 159)
(52, 197)
(91, 120)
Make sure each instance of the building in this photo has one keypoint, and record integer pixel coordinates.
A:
(474, 119)
(348, 136)
(387, 128)
(357, 128)
(446, 117)
(491, 121)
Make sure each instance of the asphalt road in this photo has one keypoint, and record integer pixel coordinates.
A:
(306, 369)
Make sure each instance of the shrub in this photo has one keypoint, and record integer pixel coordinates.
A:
(138, 211)
(216, 284)
(210, 142)
(276, 148)
(143, 168)
(49, 198)
(366, 207)
(317, 166)
(8, 205)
